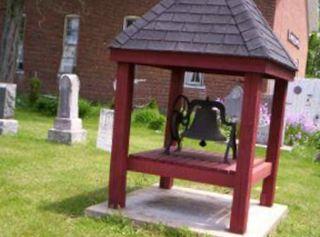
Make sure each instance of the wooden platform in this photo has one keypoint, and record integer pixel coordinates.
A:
(198, 166)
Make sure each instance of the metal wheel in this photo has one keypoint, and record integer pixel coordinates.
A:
(180, 117)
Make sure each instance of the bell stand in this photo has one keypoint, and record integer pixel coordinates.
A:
(240, 175)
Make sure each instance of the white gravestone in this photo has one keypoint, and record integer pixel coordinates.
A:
(304, 100)
(104, 140)
(68, 126)
(233, 103)
(8, 125)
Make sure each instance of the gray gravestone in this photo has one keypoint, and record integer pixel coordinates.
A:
(68, 126)
(233, 103)
(104, 140)
(7, 106)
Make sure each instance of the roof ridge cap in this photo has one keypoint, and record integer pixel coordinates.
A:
(237, 26)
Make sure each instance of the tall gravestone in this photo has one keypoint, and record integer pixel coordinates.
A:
(104, 140)
(8, 125)
(68, 126)
(233, 103)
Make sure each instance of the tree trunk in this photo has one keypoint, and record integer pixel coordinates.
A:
(10, 39)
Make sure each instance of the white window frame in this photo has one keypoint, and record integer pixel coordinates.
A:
(66, 20)
(189, 83)
(129, 18)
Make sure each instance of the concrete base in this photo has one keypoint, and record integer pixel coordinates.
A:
(66, 136)
(282, 148)
(201, 212)
(8, 126)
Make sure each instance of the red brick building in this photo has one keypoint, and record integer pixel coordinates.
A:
(73, 36)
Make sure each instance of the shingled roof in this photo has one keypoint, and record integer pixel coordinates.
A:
(219, 27)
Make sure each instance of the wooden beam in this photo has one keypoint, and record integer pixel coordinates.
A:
(275, 140)
(176, 89)
(248, 132)
(218, 64)
(121, 133)
(181, 172)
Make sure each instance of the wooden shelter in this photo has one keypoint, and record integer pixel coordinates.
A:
(228, 37)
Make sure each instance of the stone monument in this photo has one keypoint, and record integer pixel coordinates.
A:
(68, 126)
(104, 140)
(8, 125)
(233, 103)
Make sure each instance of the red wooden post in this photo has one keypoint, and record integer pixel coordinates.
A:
(176, 88)
(248, 130)
(121, 133)
(274, 143)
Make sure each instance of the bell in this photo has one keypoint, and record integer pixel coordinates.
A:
(205, 126)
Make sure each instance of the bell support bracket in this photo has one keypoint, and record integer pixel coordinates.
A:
(181, 118)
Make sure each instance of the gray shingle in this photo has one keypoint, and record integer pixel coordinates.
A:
(222, 27)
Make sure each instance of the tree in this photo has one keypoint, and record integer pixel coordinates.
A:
(12, 24)
(313, 64)
(10, 38)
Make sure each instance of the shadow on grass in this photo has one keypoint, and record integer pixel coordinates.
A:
(75, 206)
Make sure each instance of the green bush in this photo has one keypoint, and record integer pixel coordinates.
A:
(315, 140)
(34, 92)
(145, 116)
(149, 117)
(85, 108)
(157, 124)
(47, 105)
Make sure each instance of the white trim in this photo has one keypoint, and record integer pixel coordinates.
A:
(66, 19)
(129, 17)
(194, 85)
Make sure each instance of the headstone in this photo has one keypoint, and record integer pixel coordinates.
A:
(233, 103)
(104, 140)
(68, 126)
(8, 125)
(304, 99)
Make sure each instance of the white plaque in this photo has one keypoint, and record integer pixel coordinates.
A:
(104, 140)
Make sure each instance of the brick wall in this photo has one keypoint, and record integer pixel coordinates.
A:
(290, 15)
(100, 22)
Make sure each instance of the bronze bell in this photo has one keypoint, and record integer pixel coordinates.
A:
(205, 126)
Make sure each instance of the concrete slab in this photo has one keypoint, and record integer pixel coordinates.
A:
(199, 211)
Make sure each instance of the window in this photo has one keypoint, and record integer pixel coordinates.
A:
(194, 80)
(20, 54)
(129, 20)
(70, 44)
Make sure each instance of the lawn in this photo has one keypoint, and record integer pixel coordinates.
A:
(45, 187)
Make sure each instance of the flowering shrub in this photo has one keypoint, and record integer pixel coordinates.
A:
(300, 130)
(264, 115)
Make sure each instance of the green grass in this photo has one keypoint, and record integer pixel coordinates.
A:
(45, 187)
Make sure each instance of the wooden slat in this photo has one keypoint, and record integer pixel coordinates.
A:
(199, 170)
(151, 166)
(191, 158)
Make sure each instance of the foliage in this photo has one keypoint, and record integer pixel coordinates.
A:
(149, 116)
(48, 105)
(313, 64)
(34, 92)
(157, 124)
(300, 130)
(85, 108)
(315, 140)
